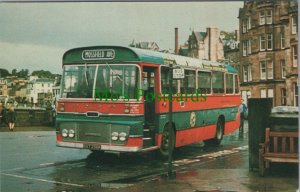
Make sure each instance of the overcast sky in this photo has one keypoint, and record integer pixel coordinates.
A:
(35, 35)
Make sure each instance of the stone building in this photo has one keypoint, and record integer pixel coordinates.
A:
(268, 51)
(37, 86)
(231, 43)
(145, 45)
(206, 45)
(3, 87)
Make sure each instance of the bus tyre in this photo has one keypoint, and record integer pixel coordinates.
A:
(167, 136)
(219, 135)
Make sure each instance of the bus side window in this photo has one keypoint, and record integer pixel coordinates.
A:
(236, 84)
(204, 82)
(188, 84)
(165, 82)
(218, 82)
(229, 83)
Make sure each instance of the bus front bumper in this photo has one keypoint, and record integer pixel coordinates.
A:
(98, 147)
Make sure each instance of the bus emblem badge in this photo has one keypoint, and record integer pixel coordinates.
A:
(193, 119)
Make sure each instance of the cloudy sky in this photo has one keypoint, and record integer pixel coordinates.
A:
(35, 35)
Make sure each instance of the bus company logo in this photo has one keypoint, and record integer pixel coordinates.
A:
(98, 54)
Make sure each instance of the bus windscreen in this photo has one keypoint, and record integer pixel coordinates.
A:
(109, 81)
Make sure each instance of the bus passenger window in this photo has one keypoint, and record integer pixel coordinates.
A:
(188, 84)
(218, 82)
(165, 82)
(229, 83)
(236, 82)
(204, 82)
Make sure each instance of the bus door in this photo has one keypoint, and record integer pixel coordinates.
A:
(148, 85)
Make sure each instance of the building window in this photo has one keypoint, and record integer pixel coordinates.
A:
(266, 93)
(247, 75)
(262, 42)
(263, 70)
(282, 40)
(294, 24)
(269, 41)
(295, 55)
(270, 93)
(296, 95)
(263, 93)
(270, 70)
(269, 16)
(249, 47)
(244, 48)
(283, 96)
(244, 26)
(283, 70)
(249, 23)
(262, 18)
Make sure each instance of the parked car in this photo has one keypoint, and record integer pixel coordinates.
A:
(284, 118)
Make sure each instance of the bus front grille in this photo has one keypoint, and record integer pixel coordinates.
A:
(94, 132)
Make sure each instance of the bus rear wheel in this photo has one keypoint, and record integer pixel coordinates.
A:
(219, 135)
(168, 136)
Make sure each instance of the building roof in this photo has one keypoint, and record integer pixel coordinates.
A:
(200, 35)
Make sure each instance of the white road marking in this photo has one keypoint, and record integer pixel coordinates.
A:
(213, 155)
(43, 180)
(14, 169)
(44, 164)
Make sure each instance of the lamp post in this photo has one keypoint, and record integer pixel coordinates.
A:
(170, 143)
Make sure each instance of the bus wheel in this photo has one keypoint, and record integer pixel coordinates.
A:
(167, 137)
(219, 135)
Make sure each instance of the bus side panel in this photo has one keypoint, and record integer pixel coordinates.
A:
(231, 126)
(211, 102)
(189, 136)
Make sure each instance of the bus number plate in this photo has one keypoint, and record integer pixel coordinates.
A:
(93, 147)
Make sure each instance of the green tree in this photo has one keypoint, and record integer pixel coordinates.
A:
(4, 72)
(43, 74)
(23, 73)
(14, 72)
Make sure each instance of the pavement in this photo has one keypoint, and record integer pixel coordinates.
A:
(5, 128)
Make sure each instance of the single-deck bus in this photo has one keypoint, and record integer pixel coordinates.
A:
(117, 98)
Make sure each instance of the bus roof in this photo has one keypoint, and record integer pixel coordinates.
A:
(114, 54)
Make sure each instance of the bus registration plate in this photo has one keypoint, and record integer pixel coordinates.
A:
(92, 146)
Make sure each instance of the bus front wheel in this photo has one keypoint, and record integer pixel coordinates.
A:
(168, 137)
(219, 134)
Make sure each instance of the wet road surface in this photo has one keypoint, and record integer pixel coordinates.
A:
(30, 161)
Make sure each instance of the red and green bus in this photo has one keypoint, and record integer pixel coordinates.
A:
(116, 98)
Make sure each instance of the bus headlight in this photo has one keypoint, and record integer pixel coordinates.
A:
(64, 133)
(122, 136)
(71, 133)
(114, 136)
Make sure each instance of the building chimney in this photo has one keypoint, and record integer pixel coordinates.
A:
(176, 41)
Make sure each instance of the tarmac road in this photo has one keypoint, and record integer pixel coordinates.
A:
(30, 161)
